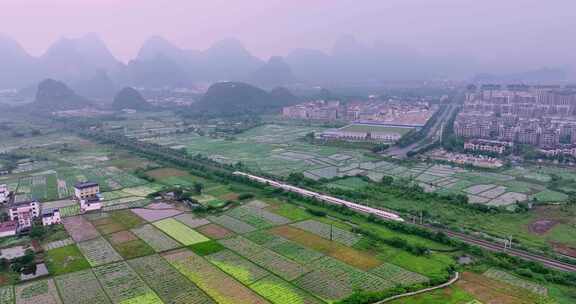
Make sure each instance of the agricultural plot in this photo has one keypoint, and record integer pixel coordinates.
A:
(219, 286)
(328, 232)
(357, 278)
(58, 244)
(167, 282)
(98, 252)
(265, 258)
(238, 267)
(65, 259)
(155, 238)
(69, 211)
(124, 286)
(151, 215)
(264, 238)
(79, 228)
(296, 252)
(258, 218)
(80, 288)
(279, 291)
(7, 295)
(231, 223)
(398, 275)
(191, 221)
(324, 286)
(515, 281)
(43, 292)
(107, 225)
(214, 231)
(180, 232)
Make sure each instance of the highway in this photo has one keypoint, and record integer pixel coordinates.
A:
(432, 136)
(549, 262)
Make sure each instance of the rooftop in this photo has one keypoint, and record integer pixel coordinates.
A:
(84, 185)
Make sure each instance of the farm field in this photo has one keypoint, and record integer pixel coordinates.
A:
(258, 251)
(303, 259)
(277, 150)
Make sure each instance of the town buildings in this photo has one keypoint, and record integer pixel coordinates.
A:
(543, 116)
(393, 113)
(491, 146)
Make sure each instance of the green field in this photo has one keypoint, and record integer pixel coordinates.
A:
(180, 232)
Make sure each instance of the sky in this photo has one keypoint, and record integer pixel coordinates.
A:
(514, 33)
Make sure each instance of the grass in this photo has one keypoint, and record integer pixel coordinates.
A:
(65, 259)
(133, 249)
(206, 248)
(450, 295)
(55, 233)
(290, 212)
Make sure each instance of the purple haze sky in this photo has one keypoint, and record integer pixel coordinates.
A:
(511, 32)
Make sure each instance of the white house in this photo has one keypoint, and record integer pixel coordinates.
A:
(86, 190)
(88, 196)
(4, 193)
(90, 205)
(51, 217)
(8, 228)
(24, 213)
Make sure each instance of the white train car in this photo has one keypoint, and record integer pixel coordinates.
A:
(325, 198)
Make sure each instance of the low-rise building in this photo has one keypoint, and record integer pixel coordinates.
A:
(90, 204)
(51, 217)
(4, 193)
(493, 146)
(24, 213)
(88, 196)
(86, 190)
(8, 228)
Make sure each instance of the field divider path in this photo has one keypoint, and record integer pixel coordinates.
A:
(413, 293)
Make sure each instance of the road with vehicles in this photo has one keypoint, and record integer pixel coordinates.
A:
(389, 215)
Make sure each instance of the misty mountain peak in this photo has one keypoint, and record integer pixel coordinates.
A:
(156, 46)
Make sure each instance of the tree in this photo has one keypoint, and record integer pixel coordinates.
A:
(37, 232)
(387, 180)
(198, 187)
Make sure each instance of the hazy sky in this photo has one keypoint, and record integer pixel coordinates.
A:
(512, 32)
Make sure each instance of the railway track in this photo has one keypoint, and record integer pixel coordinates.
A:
(390, 215)
(514, 252)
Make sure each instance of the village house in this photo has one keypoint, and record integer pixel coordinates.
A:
(51, 217)
(4, 194)
(24, 213)
(8, 228)
(88, 196)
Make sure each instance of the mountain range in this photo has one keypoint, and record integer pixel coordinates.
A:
(91, 69)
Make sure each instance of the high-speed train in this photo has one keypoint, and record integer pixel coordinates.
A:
(325, 198)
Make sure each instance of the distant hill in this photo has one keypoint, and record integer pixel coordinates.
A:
(238, 96)
(17, 68)
(283, 97)
(54, 95)
(74, 59)
(129, 98)
(99, 87)
(276, 72)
